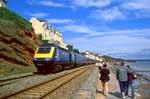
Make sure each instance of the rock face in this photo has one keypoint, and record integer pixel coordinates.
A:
(17, 42)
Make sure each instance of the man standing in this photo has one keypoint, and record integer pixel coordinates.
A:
(104, 72)
(122, 77)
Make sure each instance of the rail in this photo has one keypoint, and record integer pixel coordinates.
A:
(48, 87)
(13, 78)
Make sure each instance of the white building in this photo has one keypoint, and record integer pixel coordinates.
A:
(93, 56)
(3, 3)
(47, 32)
(39, 27)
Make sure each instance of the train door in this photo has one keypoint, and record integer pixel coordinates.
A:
(57, 54)
(70, 58)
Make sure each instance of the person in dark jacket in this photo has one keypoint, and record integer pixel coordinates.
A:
(104, 72)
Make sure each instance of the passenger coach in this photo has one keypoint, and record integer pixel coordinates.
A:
(53, 58)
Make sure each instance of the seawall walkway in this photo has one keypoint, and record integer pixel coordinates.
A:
(92, 88)
(112, 86)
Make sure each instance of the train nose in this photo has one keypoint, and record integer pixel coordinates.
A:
(41, 59)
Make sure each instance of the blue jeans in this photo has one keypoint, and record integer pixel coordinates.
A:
(132, 86)
(123, 86)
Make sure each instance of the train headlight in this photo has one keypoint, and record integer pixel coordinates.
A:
(34, 58)
(47, 59)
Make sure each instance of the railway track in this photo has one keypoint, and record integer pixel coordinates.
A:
(10, 80)
(47, 89)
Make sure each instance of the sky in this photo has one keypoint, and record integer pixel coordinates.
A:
(119, 28)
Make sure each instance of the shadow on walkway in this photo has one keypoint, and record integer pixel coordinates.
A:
(99, 91)
(116, 94)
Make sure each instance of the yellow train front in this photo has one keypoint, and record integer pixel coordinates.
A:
(52, 58)
(43, 58)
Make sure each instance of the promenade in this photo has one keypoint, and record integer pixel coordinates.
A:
(92, 88)
(113, 87)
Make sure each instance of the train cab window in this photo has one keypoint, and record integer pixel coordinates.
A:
(44, 50)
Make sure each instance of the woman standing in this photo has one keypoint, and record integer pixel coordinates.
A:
(131, 82)
(104, 72)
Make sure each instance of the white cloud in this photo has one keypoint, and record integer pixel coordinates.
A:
(137, 8)
(60, 21)
(125, 43)
(45, 3)
(111, 44)
(92, 31)
(137, 5)
(108, 14)
(52, 4)
(92, 3)
(37, 14)
(31, 2)
(77, 28)
(132, 32)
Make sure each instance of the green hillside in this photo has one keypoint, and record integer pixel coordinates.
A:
(111, 59)
(17, 43)
(12, 16)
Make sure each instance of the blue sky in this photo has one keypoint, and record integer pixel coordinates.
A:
(120, 28)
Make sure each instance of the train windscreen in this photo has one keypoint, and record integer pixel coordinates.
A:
(44, 50)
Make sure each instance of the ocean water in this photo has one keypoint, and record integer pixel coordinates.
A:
(143, 66)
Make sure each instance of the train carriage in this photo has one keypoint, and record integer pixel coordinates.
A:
(52, 58)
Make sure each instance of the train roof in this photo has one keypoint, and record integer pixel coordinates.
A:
(57, 46)
(53, 45)
(49, 44)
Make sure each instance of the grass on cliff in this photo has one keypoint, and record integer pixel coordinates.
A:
(9, 15)
(7, 69)
(16, 47)
(11, 30)
(10, 33)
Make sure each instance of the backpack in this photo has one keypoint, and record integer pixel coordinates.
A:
(131, 76)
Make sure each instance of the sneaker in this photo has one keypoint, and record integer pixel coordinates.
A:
(123, 95)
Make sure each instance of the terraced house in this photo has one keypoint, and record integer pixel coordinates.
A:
(3, 3)
(48, 32)
(93, 56)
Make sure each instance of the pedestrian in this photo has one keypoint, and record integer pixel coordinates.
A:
(131, 82)
(100, 66)
(96, 64)
(122, 77)
(104, 77)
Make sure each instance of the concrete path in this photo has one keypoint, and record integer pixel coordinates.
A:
(113, 89)
(91, 91)
(88, 89)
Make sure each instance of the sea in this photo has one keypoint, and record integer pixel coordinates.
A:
(142, 66)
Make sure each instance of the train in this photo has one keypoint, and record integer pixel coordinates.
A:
(50, 58)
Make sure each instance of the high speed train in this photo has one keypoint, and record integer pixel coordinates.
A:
(52, 58)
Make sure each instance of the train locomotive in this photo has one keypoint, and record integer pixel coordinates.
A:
(50, 58)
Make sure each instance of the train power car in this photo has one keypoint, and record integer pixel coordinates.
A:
(52, 58)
